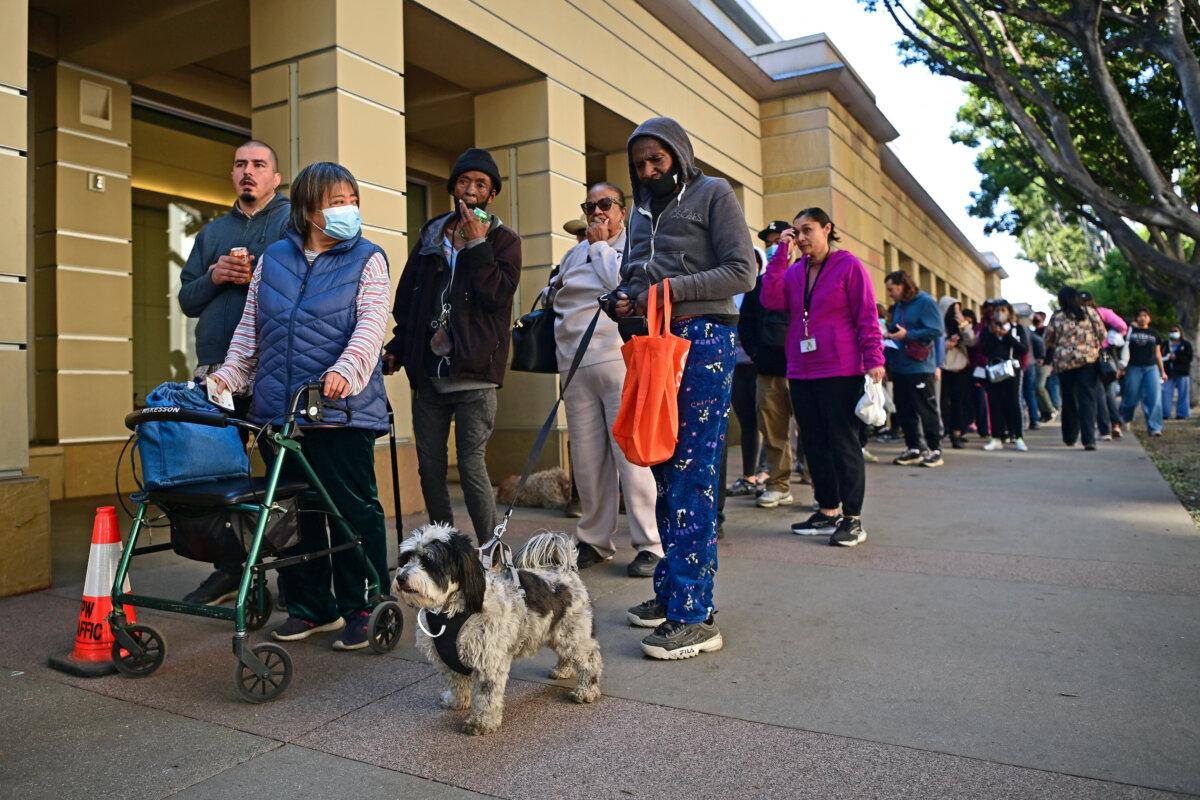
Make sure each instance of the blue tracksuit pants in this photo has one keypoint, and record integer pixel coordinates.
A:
(687, 483)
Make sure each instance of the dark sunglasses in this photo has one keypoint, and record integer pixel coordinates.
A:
(604, 204)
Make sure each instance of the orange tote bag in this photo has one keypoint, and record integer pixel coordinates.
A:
(647, 426)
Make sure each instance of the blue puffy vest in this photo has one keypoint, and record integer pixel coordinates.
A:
(306, 315)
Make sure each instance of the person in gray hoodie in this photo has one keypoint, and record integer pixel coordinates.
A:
(690, 228)
(214, 284)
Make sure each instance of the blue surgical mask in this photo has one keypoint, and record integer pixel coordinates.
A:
(771, 251)
(342, 222)
(1175, 335)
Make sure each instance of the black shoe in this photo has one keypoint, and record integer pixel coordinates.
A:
(1089, 447)
(588, 556)
(649, 614)
(573, 508)
(294, 629)
(1034, 426)
(354, 635)
(908, 458)
(675, 640)
(956, 442)
(932, 458)
(216, 589)
(817, 525)
(643, 564)
(849, 532)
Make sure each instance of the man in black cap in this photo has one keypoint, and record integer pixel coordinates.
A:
(770, 234)
(453, 310)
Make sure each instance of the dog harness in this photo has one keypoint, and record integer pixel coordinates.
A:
(446, 642)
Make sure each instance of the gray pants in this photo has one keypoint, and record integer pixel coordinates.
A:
(474, 415)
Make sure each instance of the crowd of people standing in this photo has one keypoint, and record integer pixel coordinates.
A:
(791, 336)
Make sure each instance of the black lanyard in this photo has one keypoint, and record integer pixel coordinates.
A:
(808, 293)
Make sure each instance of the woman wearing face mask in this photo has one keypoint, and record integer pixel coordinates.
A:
(956, 370)
(1004, 340)
(317, 310)
(1177, 358)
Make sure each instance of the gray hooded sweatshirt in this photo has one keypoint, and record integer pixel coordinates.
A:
(700, 240)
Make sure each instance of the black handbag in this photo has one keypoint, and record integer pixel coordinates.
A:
(222, 535)
(533, 346)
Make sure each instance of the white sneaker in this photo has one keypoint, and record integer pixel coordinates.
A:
(994, 444)
(772, 498)
(1021, 446)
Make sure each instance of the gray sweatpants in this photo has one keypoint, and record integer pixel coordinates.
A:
(474, 415)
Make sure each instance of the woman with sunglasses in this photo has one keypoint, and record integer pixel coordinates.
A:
(601, 472)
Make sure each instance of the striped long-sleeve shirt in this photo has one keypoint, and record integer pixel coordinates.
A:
(357, 361)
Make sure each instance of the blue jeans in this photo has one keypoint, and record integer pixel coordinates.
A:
(1055, 390)
(688, 482)
(1183, 385)
(1029, 393)
(1144, 384)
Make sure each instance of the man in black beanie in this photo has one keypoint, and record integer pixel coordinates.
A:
(453, 310)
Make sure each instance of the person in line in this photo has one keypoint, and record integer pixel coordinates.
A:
(1177, 358)
(1074, 336)
(1047, 408)
(956, 370)
(1029, 377)
(1108, 413)
(453, 315)
(1145, 374)
(213, 287)
(317, 309)
(687, 227)
(744, 404)
(764, 336)
(1002, 343)
(916, 324)
(833, 340)
(593, 398)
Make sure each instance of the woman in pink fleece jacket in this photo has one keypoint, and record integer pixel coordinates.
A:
(833, 340)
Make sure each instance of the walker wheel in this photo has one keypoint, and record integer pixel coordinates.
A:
(254, 620)
(152, 649)
(254, 689)
(385, 626)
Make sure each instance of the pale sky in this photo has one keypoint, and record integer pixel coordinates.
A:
(921, 107)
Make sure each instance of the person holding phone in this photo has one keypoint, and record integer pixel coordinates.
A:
(317, 310)
(833, 340)
(213, 288)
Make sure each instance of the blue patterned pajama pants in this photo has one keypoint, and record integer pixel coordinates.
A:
(687, 483)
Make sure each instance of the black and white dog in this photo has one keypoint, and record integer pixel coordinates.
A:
(473, 622)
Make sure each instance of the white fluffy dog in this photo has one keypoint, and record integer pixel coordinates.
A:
(475, 622)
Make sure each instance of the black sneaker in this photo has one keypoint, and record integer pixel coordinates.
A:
(216, 589)
(649, 614)
(354, 635)
(849, 533)
(956, 442)
(932, 458)
(817, 525)
(294, 629)
(588, 556)
(643, 564)
(908, 458)
(741, 487)
(674, 640)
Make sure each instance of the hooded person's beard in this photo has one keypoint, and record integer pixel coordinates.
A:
(662, 186)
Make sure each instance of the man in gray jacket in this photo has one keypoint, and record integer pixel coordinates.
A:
(688, 227)
(214, 284)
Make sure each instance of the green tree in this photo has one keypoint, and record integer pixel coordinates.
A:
(1094, 103)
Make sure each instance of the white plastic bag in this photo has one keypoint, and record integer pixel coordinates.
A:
(872, 406)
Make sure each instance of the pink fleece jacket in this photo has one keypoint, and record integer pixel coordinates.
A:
(842, 317)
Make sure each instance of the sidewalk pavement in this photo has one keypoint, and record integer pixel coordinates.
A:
(1017, 625)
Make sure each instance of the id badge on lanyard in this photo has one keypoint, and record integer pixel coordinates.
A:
(809, 343)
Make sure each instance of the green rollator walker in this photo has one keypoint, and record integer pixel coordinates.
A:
(255, 516)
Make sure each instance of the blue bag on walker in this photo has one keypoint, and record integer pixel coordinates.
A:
(175, 453)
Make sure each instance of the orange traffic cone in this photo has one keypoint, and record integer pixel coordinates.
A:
(92, 655)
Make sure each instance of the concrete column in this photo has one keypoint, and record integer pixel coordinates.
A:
(83, 285)
(25, 521)
(616, 172)
(535, 131)
(796, 155)
(327, 84)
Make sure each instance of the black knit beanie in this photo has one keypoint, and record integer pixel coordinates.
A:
(477, 160)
